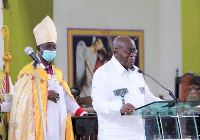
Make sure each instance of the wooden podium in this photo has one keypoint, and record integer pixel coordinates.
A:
(85, 127)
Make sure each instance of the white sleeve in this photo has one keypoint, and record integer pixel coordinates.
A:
(6, 105)
(71, 105)
(101, 94)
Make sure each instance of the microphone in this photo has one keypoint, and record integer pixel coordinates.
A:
(170, 93)
(29, 51)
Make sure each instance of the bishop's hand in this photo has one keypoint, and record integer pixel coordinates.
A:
(53, 96)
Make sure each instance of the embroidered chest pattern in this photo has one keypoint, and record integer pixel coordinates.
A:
(121, 92)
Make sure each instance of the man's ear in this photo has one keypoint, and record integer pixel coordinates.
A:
(114, 51)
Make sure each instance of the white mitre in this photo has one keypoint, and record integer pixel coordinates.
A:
(45, 31)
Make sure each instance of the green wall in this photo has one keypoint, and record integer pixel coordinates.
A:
(21, 17)
(190, 14)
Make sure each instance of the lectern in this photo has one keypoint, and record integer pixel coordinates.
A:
(85, 127)
(171, 120)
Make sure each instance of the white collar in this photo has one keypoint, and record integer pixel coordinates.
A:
(118, 66)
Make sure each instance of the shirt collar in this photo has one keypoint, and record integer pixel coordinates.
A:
(47, 66)
(119, 67)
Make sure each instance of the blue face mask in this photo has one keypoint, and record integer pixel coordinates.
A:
(48, 55)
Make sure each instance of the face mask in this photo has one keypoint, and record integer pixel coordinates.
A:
(48, 55)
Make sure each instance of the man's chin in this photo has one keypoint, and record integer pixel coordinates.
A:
(131, 64)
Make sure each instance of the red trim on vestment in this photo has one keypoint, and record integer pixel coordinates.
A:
(79, 111)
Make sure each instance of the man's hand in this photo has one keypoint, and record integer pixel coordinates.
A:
(127, 109)
(84, 114)
(53, 96)
(6, 105)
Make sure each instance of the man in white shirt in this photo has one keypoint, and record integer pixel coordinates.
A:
(117, 89)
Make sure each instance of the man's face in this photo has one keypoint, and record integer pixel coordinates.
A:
(51, 46)
(193, 93)
(126, 53)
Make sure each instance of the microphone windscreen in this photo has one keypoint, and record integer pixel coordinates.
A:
(28, 50)
(140, 71)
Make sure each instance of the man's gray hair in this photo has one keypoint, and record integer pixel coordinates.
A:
(119, 39)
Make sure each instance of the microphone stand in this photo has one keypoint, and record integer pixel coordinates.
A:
(39, 97)
(170, 93)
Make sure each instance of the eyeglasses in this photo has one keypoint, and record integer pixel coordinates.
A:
(129, 51)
